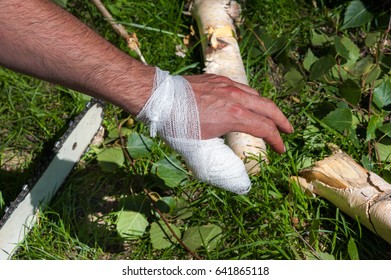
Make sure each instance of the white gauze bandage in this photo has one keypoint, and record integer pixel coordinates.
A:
(172, 112)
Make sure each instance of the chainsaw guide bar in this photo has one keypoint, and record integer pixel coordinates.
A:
(20, 216)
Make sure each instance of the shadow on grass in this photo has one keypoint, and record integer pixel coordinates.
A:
(18, 173)
(88, 203)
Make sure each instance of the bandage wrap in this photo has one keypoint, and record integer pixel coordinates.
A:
(172, 112)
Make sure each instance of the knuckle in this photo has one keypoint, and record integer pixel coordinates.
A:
(270, 129)
(269, 125)
(223, 79)
(270, 104)
(232, 90)
(236, 110)
(235, 93)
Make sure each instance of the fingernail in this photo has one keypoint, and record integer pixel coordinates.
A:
(292, 129)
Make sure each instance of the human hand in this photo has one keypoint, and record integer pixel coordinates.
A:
(186, 111)
(227, 106)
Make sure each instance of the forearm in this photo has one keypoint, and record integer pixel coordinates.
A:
(40, 39)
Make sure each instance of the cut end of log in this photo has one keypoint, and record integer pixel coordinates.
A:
(361, 194)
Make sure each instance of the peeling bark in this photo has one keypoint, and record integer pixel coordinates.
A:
(215, 19)
(361, 194)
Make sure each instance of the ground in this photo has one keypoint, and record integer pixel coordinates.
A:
(329, 78)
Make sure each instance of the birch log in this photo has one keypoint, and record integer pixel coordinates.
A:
(215, 20)
(356, 191)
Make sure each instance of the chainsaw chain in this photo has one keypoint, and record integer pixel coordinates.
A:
(44, 164)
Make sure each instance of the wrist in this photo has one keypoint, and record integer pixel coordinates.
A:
(136, 88)
(127, 83)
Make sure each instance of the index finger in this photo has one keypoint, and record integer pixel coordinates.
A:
(250, 99)
(268, 109)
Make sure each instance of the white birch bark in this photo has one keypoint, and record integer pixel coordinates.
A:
(215, 19)
(361, 194)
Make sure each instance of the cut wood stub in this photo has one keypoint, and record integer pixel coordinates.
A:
(361, 194)
(215, 20)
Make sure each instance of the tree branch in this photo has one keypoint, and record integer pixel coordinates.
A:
(131, 39)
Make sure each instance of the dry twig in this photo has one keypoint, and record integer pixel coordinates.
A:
(131, 39)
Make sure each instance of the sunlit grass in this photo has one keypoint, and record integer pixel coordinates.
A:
(277, 220)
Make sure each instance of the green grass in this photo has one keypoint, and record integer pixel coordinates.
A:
(33, 115)
(275, 221)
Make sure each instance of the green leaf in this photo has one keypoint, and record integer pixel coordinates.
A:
(356, 15)
(382, 94)
(352, 250)
(161, 236)
(373, 74)
(339, 119)
(386, 129)
(350, 91)
(363, 67)
(183, 210)
(137, 203)
(386, 175)
(304, 162)
(293, 79)
(321, 110)
(347, 49)
(168, 203)
(206, 236)
(340, 73)
(326, 256)
(170, 172)
(322, 66)
(309, 59)
(371, 39)
(131, 225)
(310, 255)
(114, 133)
(367, 163)
(319, 39)
(386, 62)
(111, 159)
(139, 146)
(340, 48)
(384, 151)
(374, 123)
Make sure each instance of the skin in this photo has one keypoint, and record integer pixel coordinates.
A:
(42, 40)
